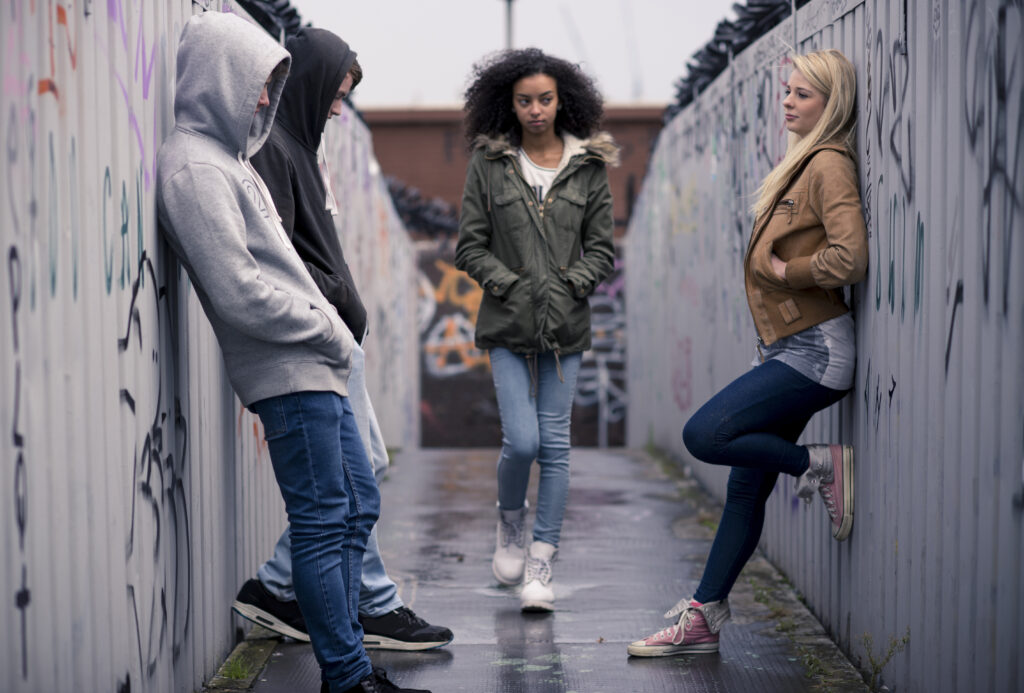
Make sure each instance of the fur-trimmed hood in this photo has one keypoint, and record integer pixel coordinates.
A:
(601, 145)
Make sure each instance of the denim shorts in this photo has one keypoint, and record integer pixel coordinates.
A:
(824, 353)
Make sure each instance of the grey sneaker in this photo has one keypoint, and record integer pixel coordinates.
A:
(510, 546)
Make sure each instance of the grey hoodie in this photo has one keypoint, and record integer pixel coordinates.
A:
(277, 332)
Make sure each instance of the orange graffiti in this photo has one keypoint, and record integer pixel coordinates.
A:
(447, 290)
(257, 433)
(49, 85)
(454, 343)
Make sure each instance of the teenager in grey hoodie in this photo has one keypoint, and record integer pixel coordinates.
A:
(286, 349)
(323, 72)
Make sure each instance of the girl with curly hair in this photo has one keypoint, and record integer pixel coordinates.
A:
(535, 232)
(808, 242)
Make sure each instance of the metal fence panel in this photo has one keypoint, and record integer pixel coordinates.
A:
(140, 493)
(937, 413)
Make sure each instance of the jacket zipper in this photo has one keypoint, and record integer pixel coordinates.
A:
(792, 206)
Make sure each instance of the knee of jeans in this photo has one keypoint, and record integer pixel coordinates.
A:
(522, 449)
(699, 439)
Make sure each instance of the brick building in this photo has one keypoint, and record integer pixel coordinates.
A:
(425, 149)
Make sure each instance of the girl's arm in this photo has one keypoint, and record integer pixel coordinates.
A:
(833, 195)
(473, 252)
(596, 236)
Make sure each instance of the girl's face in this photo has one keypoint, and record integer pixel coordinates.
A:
(802, 106)
(535, 102)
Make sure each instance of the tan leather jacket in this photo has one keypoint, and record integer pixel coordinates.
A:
(817, 228)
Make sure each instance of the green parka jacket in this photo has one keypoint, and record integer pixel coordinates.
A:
(537, 262)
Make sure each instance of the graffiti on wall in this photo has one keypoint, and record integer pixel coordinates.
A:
(458, 406)
(158, 549)
(994, 121)
(938, 318)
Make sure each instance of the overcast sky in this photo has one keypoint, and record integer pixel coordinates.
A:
(419, 52)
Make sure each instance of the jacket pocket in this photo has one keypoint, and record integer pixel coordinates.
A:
(790, 206)
(761, 263)
(790, 311)
(566, 209)
(273, 417)
(510, 212)
(506, 321)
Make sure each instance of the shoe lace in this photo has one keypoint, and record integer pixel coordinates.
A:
(676, 633)
(538, 569)
(827, 495)
(410, 617)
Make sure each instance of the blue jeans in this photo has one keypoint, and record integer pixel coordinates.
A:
(751, 425)
(378, 594)
(535, 426)
(331, 509)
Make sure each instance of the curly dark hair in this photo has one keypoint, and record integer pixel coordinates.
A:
(489, 98)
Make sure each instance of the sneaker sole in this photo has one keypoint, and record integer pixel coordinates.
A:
(537, 606)
(669, 650)
(262, 618)
(846, 526)
(381, 642)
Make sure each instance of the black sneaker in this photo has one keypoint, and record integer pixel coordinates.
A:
(256, 603)
(377, 682)
(402, 629)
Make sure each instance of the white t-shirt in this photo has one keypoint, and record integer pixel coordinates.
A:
(538, 177)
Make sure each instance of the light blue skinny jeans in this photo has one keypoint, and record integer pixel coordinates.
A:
(378, 594)
(535, 418)
(332, 503)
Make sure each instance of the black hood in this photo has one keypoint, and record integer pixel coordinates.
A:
(320, 61)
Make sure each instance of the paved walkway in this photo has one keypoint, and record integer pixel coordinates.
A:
(634, 540)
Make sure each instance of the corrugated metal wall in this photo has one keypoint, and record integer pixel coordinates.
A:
(138, 494)
(937, 414)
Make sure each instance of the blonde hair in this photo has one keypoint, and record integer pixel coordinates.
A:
(831, 74)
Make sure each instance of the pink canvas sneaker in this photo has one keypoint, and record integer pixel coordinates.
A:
(695, 632)
(831, 474)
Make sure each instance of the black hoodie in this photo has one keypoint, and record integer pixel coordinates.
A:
(288, 165)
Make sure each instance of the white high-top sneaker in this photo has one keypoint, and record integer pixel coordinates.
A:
(538, 593)
(509, 551)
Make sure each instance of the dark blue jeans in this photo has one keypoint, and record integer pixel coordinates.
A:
(332, 503)
(751, 425)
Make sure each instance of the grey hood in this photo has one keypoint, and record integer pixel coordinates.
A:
(223, 63)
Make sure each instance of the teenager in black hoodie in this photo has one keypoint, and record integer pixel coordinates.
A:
(324, 71)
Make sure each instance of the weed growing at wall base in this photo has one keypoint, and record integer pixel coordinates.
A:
(877, 664)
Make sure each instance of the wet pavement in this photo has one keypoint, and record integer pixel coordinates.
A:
(635, 537)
